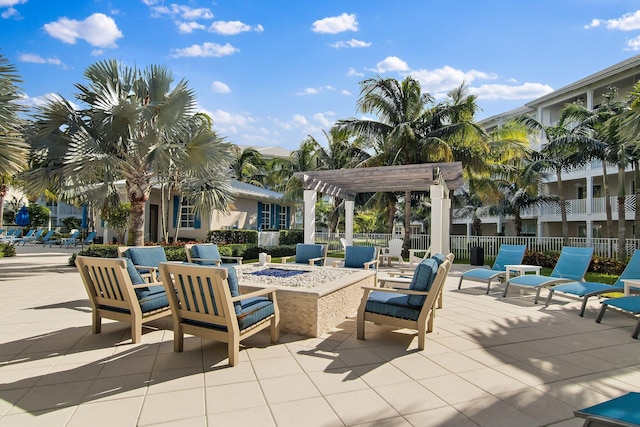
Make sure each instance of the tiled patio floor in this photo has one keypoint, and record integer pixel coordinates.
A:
(489, 362)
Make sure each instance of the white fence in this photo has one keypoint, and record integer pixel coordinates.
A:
(460, 244)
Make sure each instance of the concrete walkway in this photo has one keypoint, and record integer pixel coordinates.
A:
(489, 362)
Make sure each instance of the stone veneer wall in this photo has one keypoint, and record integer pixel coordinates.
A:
(312, 312)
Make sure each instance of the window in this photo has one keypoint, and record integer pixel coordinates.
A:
(265, 221)
(187, 215)
(282, 218)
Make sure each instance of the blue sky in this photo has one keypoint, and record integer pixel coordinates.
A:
(272, 72)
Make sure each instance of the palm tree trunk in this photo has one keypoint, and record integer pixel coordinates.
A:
(406, 245)
(563, 210)
(636, 177)
(4, 189)
(138, 189)
(518, 222)
(391, 215)
(622, 229)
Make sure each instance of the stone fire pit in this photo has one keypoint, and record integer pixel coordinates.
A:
(312, 300)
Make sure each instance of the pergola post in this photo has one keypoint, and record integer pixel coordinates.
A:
(349, 206)
(310, 197)
(440, 207)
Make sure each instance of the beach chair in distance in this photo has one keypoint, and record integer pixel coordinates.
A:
(412, 308)
(64, 240)
(207, 254)
(117, 291)
(308, 254)
(507, 255)
(585, 290)
(206, 302)
(571, 267)
(621, 411)
(365, 257)
(29, 238)
(49, 234)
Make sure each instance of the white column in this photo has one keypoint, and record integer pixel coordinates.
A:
(349, 206)
(589, 200)
(310, 197)
(440, 208)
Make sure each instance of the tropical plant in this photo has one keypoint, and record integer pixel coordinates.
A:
(248, 165)
(134, 126)
(13, 149)
(117, 219)
(72, 222)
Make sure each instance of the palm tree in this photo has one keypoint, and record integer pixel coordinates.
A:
(248, 165)
(563, 151)
(280, 170)
(341, 152)
(133, 125)
(13, 150)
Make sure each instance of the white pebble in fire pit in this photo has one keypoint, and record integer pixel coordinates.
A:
(311, 277)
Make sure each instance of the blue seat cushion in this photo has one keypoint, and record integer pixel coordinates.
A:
(482, 274)
(630, 303)
(583, 288)
(136, 279)
(304, 252)
(422, 280)
(356, 256)
(391, 304)
(252, 311)
(533, 280)
(210, 253)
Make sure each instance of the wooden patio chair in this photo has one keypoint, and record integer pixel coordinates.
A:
(117, 291)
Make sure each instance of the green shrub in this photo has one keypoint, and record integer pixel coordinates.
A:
(7, 250)
(226, 237)
(599, 264)
(291, 237)
(175, 253)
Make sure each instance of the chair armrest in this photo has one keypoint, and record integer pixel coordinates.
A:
(253, 294)
(234, 258)
(312, 261)
(396, 280)
(370, 263)
(336, 263)
(395, 291)
(146, 285)
(284, 259)
(217, 261)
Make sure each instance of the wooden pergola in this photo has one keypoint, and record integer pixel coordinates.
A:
(435, 178)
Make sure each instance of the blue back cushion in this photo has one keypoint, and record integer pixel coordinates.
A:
(356, 256)
(422, 280)
(208, 252)
(439, 258)
(304, 252)
(232, 279)
(136, 279)
(151, 257)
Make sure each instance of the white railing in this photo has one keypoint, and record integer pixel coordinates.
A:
(418, 241)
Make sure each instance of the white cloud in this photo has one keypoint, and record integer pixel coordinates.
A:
(189, 27)
(391, 63)
(350, 43)
(634, 44)
(320, 118)
(300, 120)
(184, 12)
(10, 3)
(230, 28)
(335, 24)
(37, 59)
(11, 12)
(309, 91)
(98, 30)
(40, 101)
(97, 52)
(205, 50)
(345, 92)
(353, 73)
(220, 87)
(627, 22)
(499, 91)
(441, 80)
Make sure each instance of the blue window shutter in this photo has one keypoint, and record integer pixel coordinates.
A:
(288, 221)
(176, 210)
(259, 224)
(196, 221)
(274, 216)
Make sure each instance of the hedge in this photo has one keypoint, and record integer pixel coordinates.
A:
(226, 237)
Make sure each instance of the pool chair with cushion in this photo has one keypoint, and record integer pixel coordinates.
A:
(63, 241)
(571, 267)
(507, 255)
(404, 279)
(621, 411)
(205, 301)
(405, 308)
(308, 254)
(629, 303)
(146, 259)
(585, 290)
(117, 291)
(359, 257)
(208, 254)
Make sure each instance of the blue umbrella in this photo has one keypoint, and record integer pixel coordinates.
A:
(85, 217)
(22, 217)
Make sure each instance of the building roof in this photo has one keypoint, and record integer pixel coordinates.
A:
(255, 192)
(269, 152)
